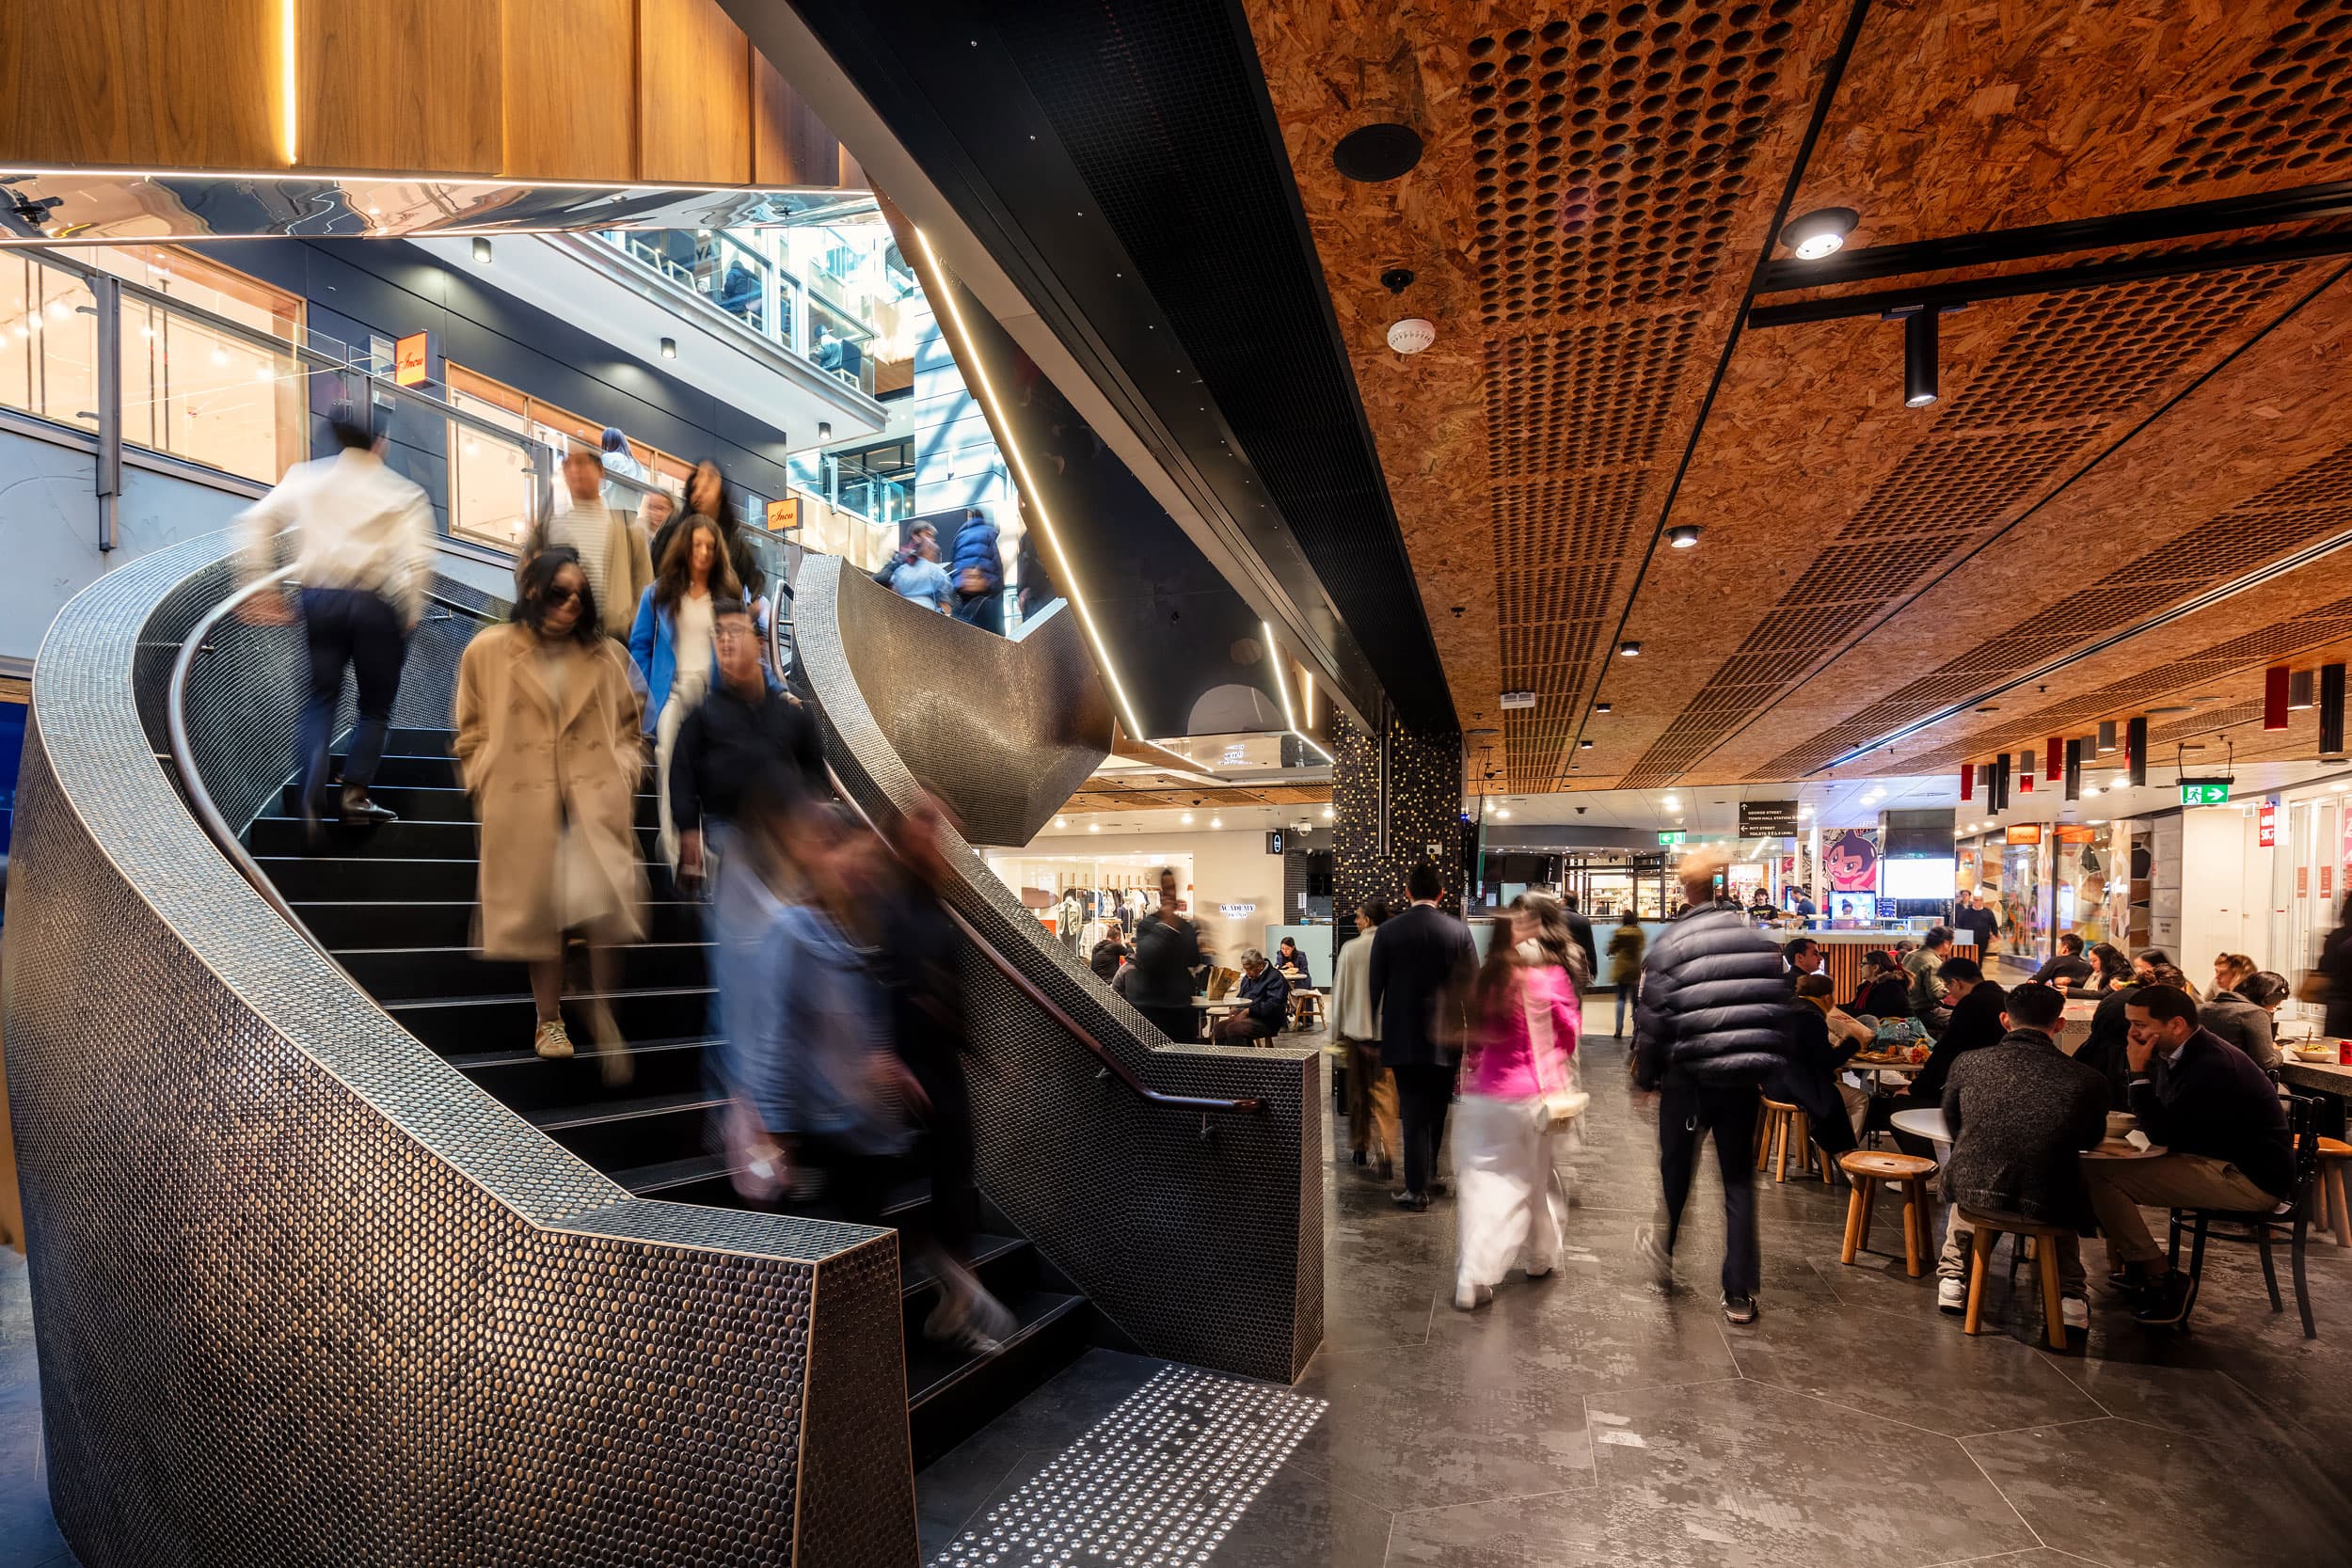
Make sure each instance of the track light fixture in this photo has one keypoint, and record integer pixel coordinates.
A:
(1919, 359)
(482, 251)
(1820, 233)
(669, 348)
(1683, 535)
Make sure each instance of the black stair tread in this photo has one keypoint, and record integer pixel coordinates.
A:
(479, 1059)
(647, 1180)
(473, 955)
(915, 1275)
(564, 1118)
(935, 1369)
(508, 1001)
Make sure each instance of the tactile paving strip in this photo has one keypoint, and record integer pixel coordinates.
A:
(1156, 1483)
(302, 1293)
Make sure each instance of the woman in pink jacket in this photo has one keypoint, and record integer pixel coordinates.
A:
(1524, 1022)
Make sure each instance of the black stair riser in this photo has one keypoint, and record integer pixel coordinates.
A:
(424, 975)
(399, 881)
(341, 926)
(419, 804)
(464, 1028)
(942, 1416)
(401, 840)
(537, 1084)
(611, 1146)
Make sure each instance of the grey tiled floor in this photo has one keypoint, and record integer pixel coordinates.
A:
(28, 1537)
(1589, 1419)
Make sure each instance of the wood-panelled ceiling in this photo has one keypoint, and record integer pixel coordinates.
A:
(1587, 223)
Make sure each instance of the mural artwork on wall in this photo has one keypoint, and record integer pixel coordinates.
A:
(1851, 860)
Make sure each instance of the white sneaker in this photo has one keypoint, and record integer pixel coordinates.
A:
(1649, 1242)
(1468, 1298)
(2075, 1312)
(1953, 1295)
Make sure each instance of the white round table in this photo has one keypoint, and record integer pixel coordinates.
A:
(1922, 1123)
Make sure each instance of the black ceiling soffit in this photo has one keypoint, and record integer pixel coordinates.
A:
(1083, 141)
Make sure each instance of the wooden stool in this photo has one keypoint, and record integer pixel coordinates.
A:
(1784, 1124)
(2330, 1212)
(1866, 1169)
(1988, 1228)
(1306, 1008)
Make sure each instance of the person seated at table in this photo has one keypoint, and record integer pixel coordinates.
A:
(1293, 964)
(1266, 998)
(1807, 1076)
(1881, 995)
(1974, 1024)
(1110, 953)
(1928, 1004)
(2020, 1112)
(2217, 1118)
(2110, 1031)
(2228, 970)
(2067, 969)
(2111, 969)
(2243, 1016)
(2154, 960)
(1803, 955)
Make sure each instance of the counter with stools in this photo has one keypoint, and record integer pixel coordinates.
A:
(1866, 1169)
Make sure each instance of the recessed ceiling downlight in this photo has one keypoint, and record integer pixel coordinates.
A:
(1382, 151)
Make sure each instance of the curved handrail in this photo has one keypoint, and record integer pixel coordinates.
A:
(1052, 1009)
(183, 755)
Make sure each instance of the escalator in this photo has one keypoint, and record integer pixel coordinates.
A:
(394, 905)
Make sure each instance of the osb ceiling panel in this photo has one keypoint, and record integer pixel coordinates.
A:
(2097, 456)
(1104, 793)
(1961, 116)
(1596, 188)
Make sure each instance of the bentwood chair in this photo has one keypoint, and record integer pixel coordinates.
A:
(2253, 1228)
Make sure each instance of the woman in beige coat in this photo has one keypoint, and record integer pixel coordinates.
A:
(550, 747)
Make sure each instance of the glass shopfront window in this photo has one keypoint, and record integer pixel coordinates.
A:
(198, 392)
(490, 485)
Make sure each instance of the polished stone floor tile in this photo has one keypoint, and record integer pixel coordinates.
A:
(1442, 1424)
(1922, 1372)
(1787, 1477)
(2128, 1496)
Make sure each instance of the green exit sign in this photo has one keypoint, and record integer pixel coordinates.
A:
(2205, 792)
(1677, 837)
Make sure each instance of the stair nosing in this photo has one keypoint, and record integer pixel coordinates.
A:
(1062, 1308)
(686, 1100)
(508, 999)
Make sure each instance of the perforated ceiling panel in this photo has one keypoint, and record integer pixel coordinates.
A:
(2284, 112)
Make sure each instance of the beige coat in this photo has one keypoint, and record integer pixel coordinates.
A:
(531, 766)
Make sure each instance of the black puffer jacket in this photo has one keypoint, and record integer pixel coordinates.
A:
(1714, 1007)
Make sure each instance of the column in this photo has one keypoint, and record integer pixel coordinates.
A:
(1418, 776)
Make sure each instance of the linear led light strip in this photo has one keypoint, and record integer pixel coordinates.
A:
(1282, 685)
(1030, 491)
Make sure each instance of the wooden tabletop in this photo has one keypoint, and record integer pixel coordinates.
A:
(1864, 1064)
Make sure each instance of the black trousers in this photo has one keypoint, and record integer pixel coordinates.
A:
(946, 1153)
(1686, 1113)
(1178, 1024)
(1423, 1090)
(348, 627)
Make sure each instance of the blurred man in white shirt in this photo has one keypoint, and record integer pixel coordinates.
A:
(363, 554)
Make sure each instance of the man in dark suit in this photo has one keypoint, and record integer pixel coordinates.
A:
(1581, 932)
(1422, 962)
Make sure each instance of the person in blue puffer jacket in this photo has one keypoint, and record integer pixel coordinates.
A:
(979, 570)
(1713, 1024)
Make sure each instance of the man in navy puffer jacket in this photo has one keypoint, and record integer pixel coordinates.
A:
(1713, 1020)
(979, 574)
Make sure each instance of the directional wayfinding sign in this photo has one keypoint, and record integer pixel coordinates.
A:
(1676, 836)
(2205, 792)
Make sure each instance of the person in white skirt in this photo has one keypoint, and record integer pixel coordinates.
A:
(1516, 1085)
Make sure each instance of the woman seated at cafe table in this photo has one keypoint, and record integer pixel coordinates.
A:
(2244, 1016)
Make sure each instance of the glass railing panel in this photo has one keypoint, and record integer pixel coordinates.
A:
(48, 344)
(212, 396)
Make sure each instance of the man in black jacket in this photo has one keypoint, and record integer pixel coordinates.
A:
(1168, 950)
(1713, 1024)
(743, 731)
(2021, 1112)
(1581, 932)
(1422, 961)
(1267, 996)
(1976, 1022)
(2217, 1115)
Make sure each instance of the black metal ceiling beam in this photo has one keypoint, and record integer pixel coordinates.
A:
(2096, 274)
(1869, 264)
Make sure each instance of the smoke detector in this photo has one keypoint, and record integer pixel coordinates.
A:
(1412, 335)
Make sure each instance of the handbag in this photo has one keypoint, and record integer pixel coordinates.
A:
(2313, 986)
(1559, 1105)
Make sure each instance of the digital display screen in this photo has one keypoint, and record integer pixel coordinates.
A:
(1920, 879)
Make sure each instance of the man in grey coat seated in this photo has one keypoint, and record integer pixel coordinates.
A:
(2021, 1112)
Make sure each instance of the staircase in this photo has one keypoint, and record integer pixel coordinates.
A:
(395, 906)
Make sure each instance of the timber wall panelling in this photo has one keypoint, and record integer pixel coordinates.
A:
(661, 92)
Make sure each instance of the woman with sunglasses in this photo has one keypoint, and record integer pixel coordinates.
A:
(551, 749)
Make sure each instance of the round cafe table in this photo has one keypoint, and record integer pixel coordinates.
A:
(1923, 1123)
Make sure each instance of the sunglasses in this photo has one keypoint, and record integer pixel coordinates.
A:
(556, 598)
